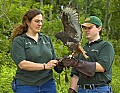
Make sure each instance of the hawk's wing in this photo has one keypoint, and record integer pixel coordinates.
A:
(72, 34)
(70, 20)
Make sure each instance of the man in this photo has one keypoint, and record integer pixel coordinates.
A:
(92, 75)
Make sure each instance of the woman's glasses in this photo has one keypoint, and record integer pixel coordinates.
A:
(38, 21)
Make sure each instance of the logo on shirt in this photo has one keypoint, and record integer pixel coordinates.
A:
(94, 50)
(44, 42)
(28, 43)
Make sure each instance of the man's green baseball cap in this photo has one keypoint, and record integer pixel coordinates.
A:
(92, 20)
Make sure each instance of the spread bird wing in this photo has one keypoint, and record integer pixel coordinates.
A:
(72, 34)
(70, 20)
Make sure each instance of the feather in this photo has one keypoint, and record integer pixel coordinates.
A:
(70, 20)
(72, 34)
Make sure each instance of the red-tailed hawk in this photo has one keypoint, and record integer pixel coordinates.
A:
(72, 34)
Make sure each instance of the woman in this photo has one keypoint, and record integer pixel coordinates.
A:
(34, 55)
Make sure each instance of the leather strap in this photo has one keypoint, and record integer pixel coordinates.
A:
(91, 86)
(71, 90)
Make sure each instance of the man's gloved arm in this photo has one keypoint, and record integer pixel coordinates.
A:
(87, 68)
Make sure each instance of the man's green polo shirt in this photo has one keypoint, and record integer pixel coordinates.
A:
(102, 52)
(26, 48)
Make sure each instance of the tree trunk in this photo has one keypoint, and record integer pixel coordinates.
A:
(106, 14)
(41, 2)
(50, 12)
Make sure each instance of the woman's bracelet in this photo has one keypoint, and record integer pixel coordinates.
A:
(44, 65)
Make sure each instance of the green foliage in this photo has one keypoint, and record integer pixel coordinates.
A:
(11, 13)
(7, 71)
(116, 76)
(62, 85)
(52, 27)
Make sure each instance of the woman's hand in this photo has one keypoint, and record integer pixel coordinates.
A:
(51, 64)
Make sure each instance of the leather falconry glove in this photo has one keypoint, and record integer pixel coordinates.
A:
(59, 67)
(71, 90)
(87, 68)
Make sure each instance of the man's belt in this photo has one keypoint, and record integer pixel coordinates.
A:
(92, 86)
